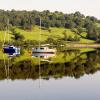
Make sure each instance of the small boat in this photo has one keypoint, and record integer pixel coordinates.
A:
(43, 50)
(11, 50)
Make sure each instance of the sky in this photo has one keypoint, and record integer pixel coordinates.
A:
(87, 7)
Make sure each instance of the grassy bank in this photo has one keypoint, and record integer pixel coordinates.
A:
(56, 33)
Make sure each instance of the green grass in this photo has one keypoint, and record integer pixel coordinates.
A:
(98, 25)
(2, 55)
(82, 50)
(61, 57)
(55, 33)
(33, 35)
(2, 36)
(26, 56)
(86, 41)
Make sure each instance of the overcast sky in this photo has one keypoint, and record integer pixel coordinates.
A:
(87, 7)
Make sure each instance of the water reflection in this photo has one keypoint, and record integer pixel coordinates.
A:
(12, 54)
(43, 55)
(72, 75)
(80, 63)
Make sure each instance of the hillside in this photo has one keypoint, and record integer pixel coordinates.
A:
(55, 33)
(74, 27)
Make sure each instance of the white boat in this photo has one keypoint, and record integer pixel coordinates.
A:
(10, 49)
(43, 50)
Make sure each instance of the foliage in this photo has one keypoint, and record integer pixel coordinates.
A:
(17, 36)
(29, 19)
(77, 66)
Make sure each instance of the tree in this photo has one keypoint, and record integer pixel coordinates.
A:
(17, 36)
(69, 24)
(70, 38)
(27, 19)
(92, 33)
(50, 40)
(65, 35)
(76, 38)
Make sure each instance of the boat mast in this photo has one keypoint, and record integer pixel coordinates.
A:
(8, 31)
(4, 37)
(39, 57)
(40, 34)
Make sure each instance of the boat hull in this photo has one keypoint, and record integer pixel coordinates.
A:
(43, 55)
(7, 50)
(43, 51)
(11, 50)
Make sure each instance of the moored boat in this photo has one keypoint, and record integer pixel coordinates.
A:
(43, 50)
(11, 50)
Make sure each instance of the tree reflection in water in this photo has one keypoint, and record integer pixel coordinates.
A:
(85, 63)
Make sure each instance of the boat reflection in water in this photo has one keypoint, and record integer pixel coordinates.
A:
(43, 55)
(43, 52)
(11, 50)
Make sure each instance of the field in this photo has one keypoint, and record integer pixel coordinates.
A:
(55, 33)
(5, 36)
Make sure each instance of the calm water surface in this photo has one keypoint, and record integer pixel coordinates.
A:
(70, 75)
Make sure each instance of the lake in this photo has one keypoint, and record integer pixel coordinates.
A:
(73, 74)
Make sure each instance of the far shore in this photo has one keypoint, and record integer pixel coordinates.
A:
(83, 45)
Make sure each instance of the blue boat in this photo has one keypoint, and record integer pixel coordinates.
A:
(11, 50)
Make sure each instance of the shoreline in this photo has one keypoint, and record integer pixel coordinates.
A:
(83, 45)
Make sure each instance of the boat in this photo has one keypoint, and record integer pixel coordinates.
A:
(43, 55)
(11, 50)
(43, 50)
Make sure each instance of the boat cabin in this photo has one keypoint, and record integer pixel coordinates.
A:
(43, 50)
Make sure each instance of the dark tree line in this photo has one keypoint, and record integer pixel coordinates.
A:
(27, 19)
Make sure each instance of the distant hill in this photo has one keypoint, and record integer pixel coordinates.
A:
(69, 27)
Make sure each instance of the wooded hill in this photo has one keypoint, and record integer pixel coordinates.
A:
(76, 22)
